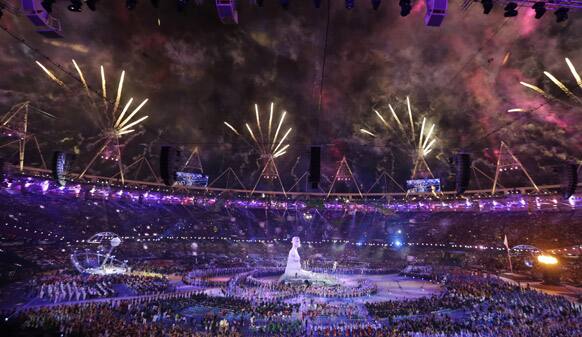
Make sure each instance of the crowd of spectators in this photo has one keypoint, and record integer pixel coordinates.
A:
(471, 306)
(56, 215)
(248, 285)
(483, 306)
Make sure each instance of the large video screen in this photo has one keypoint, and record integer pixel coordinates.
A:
(423, 185)
(191, 179)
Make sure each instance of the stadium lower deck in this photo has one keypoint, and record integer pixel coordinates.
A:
(213, 270)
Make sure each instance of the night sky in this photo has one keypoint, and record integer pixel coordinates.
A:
(198, 73)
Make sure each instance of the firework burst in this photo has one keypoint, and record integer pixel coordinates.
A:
(418, 138)
(567, 91)
(267, 140)
(113, 122)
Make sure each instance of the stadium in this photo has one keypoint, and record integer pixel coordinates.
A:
(288, 168)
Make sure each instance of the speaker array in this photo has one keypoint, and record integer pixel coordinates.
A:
(462, 164)
(2, 167)
(315, 166)
(169, 160)
(569, 180)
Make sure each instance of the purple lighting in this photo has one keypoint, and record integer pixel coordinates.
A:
(488, 203)
(44, 186)
(436, 11)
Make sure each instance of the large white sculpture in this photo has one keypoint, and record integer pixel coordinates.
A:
(293, 271)
(293, 268)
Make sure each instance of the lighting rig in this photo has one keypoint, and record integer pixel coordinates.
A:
(511, 8)
(14, 127)
(507, 162)
(343, 174)
(436, 10)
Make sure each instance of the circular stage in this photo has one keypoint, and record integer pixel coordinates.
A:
(277, 284)
(389, 287)
(264, 285)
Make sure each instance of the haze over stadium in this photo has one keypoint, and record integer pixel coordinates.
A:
(290, 168)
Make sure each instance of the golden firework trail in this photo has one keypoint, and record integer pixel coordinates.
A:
(574, 72)
(51, 75)
(123, 112)
(118, 126)
(103, 84)
(281, 152)
(123, 125)
(265, 144)
(505, 58)
(410, 116)
(516, 110)
(559, 84)
(81, 77)
(421, 132)
(395, 117)
(119, 90)
(279, 127)
(252, 134)
(427, 138)
(271, 119)
(367, 132)
(537, 89)
(258, 120)
(232, 128)
(423, 144)
(381, 117)
(282, 140)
